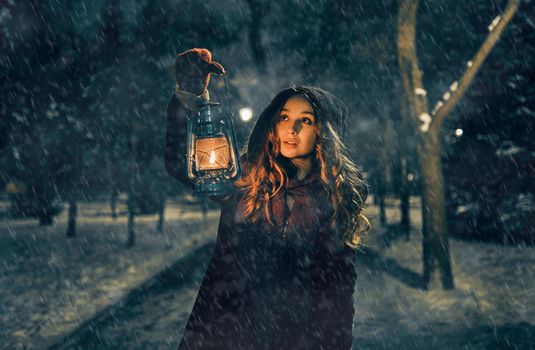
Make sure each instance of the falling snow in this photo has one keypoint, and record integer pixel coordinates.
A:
(84, 90)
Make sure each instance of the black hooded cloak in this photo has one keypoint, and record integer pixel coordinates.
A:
(284, 287)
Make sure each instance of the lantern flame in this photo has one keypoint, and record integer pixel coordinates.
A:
(212, 153)
(212, 157)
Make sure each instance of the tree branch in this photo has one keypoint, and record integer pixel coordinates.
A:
(409, 66)
(406, 31)
(457, 90)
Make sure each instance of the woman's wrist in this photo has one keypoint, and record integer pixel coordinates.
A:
(189, 100)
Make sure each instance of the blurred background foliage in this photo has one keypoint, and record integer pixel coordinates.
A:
(85, 85)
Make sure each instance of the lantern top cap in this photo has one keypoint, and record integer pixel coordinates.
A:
(210, 104)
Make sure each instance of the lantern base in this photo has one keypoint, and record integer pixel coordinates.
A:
(207, 188)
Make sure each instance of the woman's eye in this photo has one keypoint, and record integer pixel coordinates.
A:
(283, 117)
(307, 121)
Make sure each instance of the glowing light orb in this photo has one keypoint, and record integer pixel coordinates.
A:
(246, 114)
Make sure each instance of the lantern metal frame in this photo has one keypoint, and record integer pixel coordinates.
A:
(210, 122)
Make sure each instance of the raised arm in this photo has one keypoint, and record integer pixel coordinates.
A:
(192, 73)
(176, 142)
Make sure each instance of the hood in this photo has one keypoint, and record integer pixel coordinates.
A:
(327, 108)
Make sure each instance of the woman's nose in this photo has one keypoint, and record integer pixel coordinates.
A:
(293, 128)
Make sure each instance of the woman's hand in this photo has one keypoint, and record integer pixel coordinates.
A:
(193, 69)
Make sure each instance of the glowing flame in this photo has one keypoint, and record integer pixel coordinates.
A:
(212, 153)
(212, 157)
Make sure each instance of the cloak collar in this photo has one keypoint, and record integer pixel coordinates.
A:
(295, 185)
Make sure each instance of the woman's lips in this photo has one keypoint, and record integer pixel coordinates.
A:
(290, 144)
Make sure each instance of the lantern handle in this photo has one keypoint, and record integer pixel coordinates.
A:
(228, 97)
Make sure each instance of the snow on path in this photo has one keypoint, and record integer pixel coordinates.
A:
(392, 311)
(50, 284)
(156, 320)
(491, 307)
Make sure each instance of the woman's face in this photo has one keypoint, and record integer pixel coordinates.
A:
(296, 129)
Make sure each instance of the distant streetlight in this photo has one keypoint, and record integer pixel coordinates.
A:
(246, 114)
(458, 132)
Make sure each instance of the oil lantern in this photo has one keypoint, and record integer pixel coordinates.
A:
(212, 160)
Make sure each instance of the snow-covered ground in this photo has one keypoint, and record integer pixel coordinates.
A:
(52, 283)
(491, 307)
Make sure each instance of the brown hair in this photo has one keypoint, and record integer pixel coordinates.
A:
(266, 171)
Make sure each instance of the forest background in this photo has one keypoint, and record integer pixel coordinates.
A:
(85, 85)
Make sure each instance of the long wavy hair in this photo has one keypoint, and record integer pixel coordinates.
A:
(266, 171)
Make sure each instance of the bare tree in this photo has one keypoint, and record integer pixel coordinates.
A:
(435, 241)
(404, 151)
(258, 9)
(133, 183)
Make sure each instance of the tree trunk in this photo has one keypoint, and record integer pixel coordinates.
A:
(435, 244)
(113, 188)
(379, 194)
(71, 222)
(133, 196)
(132, 207)
(405, 223)
(45, 219)
(44, 205)
(385, 169)
(435, 233)
(404, 135)
(113, 202)
(161, 213)
(258, 10)
(131, 227)
(435, 241)
(382, 209)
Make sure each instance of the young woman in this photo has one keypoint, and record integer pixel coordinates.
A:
(282, 273)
